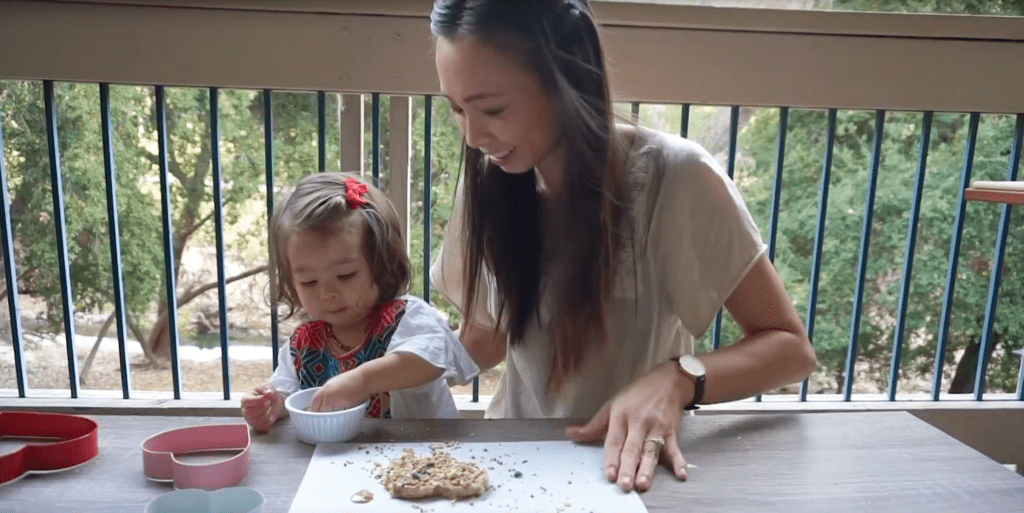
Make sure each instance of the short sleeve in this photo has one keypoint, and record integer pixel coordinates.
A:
(702, 239)
(447, 274)
(423, 333)
(285, 378)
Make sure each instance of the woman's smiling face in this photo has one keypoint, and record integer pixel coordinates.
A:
(500, 107)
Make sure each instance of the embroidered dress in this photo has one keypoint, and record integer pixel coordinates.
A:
(316, 363)
(407, 325)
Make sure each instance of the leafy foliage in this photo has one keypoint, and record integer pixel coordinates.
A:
(22, 120)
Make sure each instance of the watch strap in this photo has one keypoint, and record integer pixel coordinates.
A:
(698, 394)
(698, 388)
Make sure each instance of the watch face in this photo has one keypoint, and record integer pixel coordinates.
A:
(691, 365)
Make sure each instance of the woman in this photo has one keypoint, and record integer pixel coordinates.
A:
(596, 252)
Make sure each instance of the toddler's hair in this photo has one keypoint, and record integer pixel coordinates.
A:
(318, 205)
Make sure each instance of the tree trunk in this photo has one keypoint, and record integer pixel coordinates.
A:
(966, 368)
(96, 346)
(137, 333)
(194, 186)
(159, 337)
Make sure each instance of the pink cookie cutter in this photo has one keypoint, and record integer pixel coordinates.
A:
(159, 461)
(76, 442)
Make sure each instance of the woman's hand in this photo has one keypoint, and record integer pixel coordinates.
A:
(634, 421)
(774, 351)
(341, 392)
(262, 407)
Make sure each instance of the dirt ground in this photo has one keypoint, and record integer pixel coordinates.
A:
(46, 355)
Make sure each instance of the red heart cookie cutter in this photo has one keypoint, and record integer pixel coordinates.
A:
(77, 442)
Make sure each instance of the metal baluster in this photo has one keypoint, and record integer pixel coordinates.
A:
(684, 122)
(908, 255)
(114, 228)
(321, 130)
(375, 129)
(819, 235)
(734, 123)
(60, 225)
(954, 255)
(11, 274)
(218, 223)
(427, 136)
(862, 264)
(997, 268)
(268, 152)
(780, 157)
(165, 203)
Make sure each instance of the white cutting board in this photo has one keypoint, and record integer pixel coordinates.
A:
(558, 477)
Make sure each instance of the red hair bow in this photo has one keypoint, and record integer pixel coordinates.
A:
(354, 192)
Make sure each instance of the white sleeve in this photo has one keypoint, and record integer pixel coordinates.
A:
(423, 333)
(285, 378)
(703, 239)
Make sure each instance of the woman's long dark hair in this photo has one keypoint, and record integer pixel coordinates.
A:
(557, 41)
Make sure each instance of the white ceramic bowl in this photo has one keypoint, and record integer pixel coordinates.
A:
(318, 427)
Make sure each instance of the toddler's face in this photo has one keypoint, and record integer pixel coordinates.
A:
(331, 275)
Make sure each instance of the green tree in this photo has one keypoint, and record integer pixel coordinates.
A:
(31, 205)
(892, 212)
(136, 159)
(893, 200)
(446, 154)
(190, 173)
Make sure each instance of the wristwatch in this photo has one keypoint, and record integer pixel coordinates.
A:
(693, 368)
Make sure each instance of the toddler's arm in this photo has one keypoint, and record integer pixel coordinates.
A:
(262, 407)
(393, 371)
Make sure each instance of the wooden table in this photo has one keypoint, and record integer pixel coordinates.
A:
(860, 462)
(1009, 192)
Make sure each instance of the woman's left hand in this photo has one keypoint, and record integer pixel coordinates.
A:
(340, 392)
(635, 421)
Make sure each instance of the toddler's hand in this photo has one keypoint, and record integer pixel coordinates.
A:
(262, 407)
(340, 392)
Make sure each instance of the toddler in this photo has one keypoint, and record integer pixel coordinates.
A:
(337, 247)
